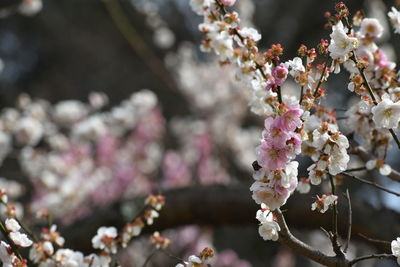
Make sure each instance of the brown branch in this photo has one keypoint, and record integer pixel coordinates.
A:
(347, 196)
(299, 247)
(217, 205)
(365, 156)
(137, 44)
(373, 256)
(375, 240)
(372, 184)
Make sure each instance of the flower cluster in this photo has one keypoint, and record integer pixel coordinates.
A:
(323, 203)
(197, 261)
(276, 174)
(325, 144)
(268, 228)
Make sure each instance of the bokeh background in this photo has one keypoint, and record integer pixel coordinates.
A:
(73, 47)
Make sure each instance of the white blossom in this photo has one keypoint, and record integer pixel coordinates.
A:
(269, 228)
(105, 239)
(341, 44)
(68, 257)
(12, 225)
(30, 7)
(69, 112)
(322, 204)
(394, 17)
(199, 6)
(371, 27)
(20, 239)
(303, 187)
(28, 131)
(289, 174)
(5, 256)
(250, 33)
(395, 246)
(386, 114)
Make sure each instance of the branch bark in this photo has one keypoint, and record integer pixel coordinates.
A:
(217, 205)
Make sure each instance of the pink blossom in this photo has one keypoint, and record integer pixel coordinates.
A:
(285, 192)
(382, 59)
(106, 149)
(228, 2)
(271, 85)
(271, 157)
(274, 133)
(280, 74)
(290, 120)
(176, 170)
(229, 258)
(264, 193)
(294, 144)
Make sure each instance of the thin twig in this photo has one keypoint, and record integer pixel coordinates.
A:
(149, 258)
(372, 184)
(258, 66)
(356, 169)
(335, 211)
(365, 156)
(27, 230)
(342, 118)
(137, 43)
(373, 256)
(328, 61)
(347, 196)
(374, 240)
(301, 95)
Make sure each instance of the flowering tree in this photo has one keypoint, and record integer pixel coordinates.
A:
(107, 174)
(296, 124)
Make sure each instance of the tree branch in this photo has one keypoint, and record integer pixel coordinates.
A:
(299, 247)
(372, 184)
(365, 156)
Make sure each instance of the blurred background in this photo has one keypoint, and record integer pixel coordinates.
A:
(206, 133)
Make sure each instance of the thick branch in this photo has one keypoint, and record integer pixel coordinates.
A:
(286, 237)
(218, 205)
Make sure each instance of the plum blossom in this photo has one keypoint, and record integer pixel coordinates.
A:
(394, 16)
(30, 7)
(20, 239)
(323, 203)
(280, 143)
(228, 2)
(28, 131)
(296, 67)
(200, 6)
(395, 246)
(303, 186)
(269, 228)
(7, 257)
(371, 28)
(279, 75)
(12, 225)
(387, 113)
(68, 257)
(341, 44)
(270, 190)
(250, 33)
(105, 239)
(384, 169)
(68, 112)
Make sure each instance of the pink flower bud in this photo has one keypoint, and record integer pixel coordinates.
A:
(228, 2)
